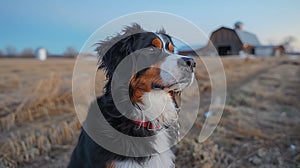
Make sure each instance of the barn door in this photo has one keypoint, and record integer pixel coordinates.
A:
(224, 50)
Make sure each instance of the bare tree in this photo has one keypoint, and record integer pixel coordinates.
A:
(27, 53)
(70, 52)
(287, 43)
(11, 51)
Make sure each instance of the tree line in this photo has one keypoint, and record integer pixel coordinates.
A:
(11, 52)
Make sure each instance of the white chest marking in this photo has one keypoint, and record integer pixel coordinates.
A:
(163, 160)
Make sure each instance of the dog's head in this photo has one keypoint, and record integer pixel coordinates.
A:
(155, 88)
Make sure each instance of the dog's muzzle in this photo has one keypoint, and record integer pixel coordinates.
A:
(187, 62)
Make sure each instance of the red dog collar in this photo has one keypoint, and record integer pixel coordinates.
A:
(147, 125)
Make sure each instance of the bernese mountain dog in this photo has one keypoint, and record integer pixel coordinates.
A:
(156, 78)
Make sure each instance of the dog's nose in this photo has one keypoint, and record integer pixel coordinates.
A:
(187, 61)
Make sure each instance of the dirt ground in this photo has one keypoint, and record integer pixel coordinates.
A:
(259, 126)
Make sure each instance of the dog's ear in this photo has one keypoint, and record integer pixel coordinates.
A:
(115, 48)
(114, 55)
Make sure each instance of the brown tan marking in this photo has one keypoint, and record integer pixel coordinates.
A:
(157, 43)
(171, 47)
(110, 165)
(143, 83)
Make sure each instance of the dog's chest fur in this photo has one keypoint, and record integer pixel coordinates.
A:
(164, 159)
(156, 103)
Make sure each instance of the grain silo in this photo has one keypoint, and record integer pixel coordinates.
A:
(41, 54)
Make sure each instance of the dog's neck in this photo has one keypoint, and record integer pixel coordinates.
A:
(158, 106)
(160, 109)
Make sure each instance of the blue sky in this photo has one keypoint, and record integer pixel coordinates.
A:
(57, 24)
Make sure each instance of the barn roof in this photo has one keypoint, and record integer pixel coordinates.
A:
(244, 37)
(189, 48)
(247, 37)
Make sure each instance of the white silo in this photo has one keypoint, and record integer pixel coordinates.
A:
(41, 54)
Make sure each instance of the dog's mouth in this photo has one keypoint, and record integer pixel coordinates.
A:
(174, 87)
(174, 90)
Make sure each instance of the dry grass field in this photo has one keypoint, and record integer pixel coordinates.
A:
(259, 127)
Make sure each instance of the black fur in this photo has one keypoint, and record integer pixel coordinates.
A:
(88, 153)
(133, 39)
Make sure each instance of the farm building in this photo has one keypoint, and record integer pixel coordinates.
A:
(236, 41)
(41, 54)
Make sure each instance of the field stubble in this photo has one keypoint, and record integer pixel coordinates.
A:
(39, 127)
